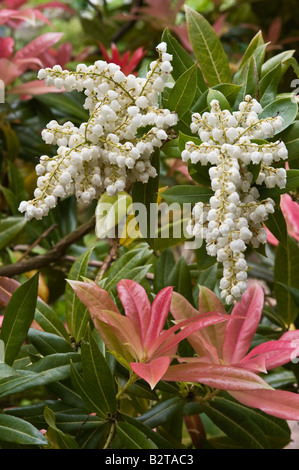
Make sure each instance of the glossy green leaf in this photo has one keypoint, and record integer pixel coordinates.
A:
(9, 229)
(49, 321)
(164, 267)
(155, 437)
(61, 440)
(187, 194)
(133, 438)
(77, 315)
(277, 225)
(18, 431)
(217, 95)
(254, 44)
(48, 343)
(18, 317)
(161, 413)
(207, 49)
(97, 376)
(230, 91)
(290, 137)
(275, 60)
(47, 370)
(182, 94)
(269, 84)
(180, 278)
(287, 108)
(182, 61)
(286, 272)
(147, 194)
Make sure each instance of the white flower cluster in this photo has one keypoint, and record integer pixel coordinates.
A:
(115, 145)
(234, 216)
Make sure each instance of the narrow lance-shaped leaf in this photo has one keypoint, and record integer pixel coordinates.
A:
(18, 431)
(207, 49)
(77, 315)
(18, 317)
(182, 94)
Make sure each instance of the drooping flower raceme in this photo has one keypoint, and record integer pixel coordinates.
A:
(110, 149)
(234, 215)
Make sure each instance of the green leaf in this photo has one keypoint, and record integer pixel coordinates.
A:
(180, 278)
(277, 225)
(182, 94)
(61, 440)
(182, 61)
(183, 139)
(275, 60)
(290, 137)
(286, 272)
(155, 437)
(294, 63)
(9, 229)
(49, 321)
(124, 266)
(269, 84)
(254, 44)
(133, 438)
(207, 49)
(249, 80)
(228, 90)
(18, 431)
(217, 95)
(163, 267)
(47, 370)
(147, 194)
(161, 413)
(77, 315)
(235, 423)
(250, 428)
(18, 317)
(97, 377)
(66, 104)
(187, 194)
(287, 108)
(48, 343)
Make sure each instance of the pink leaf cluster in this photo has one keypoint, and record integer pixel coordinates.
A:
(224, 360)
(138, 336)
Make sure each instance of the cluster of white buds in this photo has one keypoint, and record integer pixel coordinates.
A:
(234, 216)
(115, 145)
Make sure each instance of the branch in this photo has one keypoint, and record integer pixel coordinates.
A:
(52, 255)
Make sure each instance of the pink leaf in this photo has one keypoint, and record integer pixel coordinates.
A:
(243, 324)
(6, 47)
(279, 403)
(216, 376)
(15, 3)
(26, 15)
(275, 353)
(32, 88)
(290, 210)
(9, 71)
(38, 45)
(159, 311)
(167, 339)
(136, 304)
(101, 307)
(202, 341)
(152, 371)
